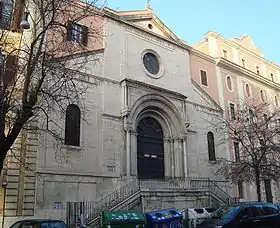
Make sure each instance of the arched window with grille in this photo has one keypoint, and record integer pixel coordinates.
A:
(72, 125)
(211, 146)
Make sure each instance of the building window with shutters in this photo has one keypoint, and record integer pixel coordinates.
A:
(6, 9)
(211, 146)
(203, 78)
(72, 125)
(77, 33)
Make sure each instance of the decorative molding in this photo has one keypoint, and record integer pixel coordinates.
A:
(150, 40)
(170, 93)
(125, 112)
(208, 96)
(238, 46)
(245, 72)
(128, 126)
(129, 26)
(202, 55)
(42, 171)
(111, 116)
(95, 77)
(187, 124)
(160, 63)
(204, 107)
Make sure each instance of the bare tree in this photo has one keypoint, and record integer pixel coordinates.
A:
(43, 68)
(252, 131)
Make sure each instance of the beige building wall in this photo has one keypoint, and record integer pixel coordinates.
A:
(241, 61)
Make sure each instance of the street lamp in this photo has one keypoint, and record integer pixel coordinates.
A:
(24, 23)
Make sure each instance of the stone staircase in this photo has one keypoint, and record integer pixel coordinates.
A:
(142, 194)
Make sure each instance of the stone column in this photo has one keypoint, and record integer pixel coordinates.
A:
(133, 153)
(128, 152)
(172, 158)
(178, 158)
(185, 159)
(128, 130)
(167, 158)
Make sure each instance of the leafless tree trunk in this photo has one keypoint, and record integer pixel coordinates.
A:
(252, 132)
(46, 70)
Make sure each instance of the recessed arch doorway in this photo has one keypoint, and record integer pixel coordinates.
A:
(150, 149)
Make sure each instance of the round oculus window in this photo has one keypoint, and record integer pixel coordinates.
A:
(151, 63)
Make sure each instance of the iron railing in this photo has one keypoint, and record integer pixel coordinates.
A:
(92, 210)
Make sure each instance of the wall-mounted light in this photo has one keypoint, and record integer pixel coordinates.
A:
(24, 24)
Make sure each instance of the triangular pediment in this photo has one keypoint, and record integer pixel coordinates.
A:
(147, 20)
(247, 42)
(200, 97)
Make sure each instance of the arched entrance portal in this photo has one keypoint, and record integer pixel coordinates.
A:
(150, 149)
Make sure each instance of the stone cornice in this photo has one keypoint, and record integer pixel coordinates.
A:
(145, 31)
(202, 55)
(143, 14)
(236, 45)
(111, 116)
(204, 107)
(137, 84)
(207, 95)
(250, 74)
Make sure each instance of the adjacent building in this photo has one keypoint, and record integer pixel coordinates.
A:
(242, 73)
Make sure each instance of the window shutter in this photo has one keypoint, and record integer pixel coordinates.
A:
(85, 35)
(69, 30)
(10, 69)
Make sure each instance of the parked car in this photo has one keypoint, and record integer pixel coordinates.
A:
(39, 223)
(254, 214)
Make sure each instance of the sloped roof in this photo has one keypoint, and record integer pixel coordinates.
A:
(144, 15)
(205, 98)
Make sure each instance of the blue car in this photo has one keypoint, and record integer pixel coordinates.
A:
(253, 214)
(39, 223)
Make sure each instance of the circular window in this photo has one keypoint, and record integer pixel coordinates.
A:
(229, 84)
(150, 26)
(151, 63)
(247, 89)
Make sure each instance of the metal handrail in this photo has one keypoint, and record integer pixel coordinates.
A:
(94, 209)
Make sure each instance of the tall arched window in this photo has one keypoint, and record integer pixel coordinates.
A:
(248, 90)
(262, 95)
(72, 125)
(211, 146)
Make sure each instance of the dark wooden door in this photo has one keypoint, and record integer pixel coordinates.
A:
(150, 149)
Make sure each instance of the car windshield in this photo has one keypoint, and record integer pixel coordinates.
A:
(53, 224)
(225, 212)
